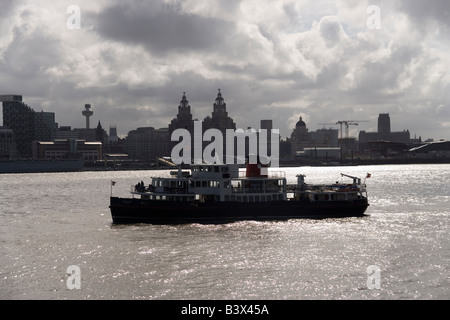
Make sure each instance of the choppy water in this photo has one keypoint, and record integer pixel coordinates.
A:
(51, 221)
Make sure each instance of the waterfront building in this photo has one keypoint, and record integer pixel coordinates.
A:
(91, 135)
(147, 143)
(27, 124)
(67, 149)
(431, 150)
(64, 132)
(320, 153)
(219, 120)
(301, 138)
(183, 120)
(384, 132)
(367, 140)
(162, 140)
(8, 148)
(140, 144)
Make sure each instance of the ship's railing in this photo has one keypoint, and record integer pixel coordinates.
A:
(152, 189)
(274, 189)
(326, 188)
(270, 174)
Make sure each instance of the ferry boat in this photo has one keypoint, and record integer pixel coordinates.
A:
(222, 193)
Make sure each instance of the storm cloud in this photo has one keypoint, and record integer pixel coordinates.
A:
(160, 28)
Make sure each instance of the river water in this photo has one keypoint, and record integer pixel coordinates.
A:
(51, 223)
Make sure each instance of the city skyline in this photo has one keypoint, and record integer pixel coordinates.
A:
(326, 61)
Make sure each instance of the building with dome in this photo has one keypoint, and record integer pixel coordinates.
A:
(301, 138)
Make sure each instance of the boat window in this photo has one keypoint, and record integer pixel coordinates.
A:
(250, 198)
(204, 185)
(256, 198)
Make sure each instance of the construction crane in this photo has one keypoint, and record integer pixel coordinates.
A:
(327, 124)
(348, 123)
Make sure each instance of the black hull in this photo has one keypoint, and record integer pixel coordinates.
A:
(128, 211)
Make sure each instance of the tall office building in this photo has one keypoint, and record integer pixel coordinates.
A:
(8, 148)
(147, 143)
(27, 124)
(140, 144)
(162, 140)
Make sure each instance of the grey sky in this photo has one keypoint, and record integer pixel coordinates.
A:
(272, 59)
